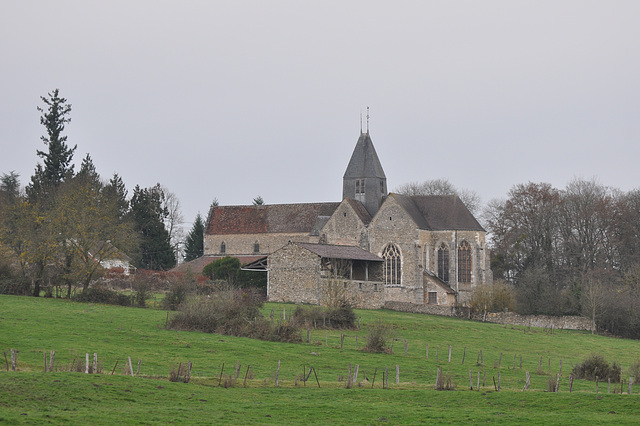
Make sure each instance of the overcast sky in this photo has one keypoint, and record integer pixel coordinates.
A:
(235, 99)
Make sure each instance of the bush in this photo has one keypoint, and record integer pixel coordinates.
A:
(18, 286)
(496, 297)
(379, 333)
(595, 365)
(103, 295)
(340, 317)
(233, 313)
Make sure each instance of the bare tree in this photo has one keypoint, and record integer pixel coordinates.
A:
(174, 219)
(441, 187)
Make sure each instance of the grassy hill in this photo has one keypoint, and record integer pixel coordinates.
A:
(33, 326)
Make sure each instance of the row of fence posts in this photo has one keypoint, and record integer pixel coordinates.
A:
(352, 376)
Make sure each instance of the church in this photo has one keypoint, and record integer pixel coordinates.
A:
(370, 248)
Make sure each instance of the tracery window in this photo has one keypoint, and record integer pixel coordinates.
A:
(443, 262)
(392, 265)
(464, 262)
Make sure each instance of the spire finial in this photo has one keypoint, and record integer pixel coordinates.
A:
(360, 121)
(367, 120)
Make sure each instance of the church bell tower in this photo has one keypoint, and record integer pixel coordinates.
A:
(364, 179)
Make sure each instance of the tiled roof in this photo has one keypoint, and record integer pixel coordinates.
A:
(340, 252)
(263, 219)
(438, 212)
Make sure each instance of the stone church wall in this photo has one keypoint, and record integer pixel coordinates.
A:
(244, 244)
(345, 228)
(393, 225)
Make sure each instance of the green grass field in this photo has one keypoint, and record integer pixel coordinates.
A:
(33, 326)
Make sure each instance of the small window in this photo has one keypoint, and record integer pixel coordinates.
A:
(345, 284)
(223, 248)
(256, 247)
(375, 287)
(382, 187)
(433, 298)
(359, 186)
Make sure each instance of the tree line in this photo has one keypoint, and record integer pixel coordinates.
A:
(570, 251)
(57, 231)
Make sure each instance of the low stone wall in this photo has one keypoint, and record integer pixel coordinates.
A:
(508, 318)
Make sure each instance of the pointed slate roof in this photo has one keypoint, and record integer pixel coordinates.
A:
(270, 218)
(364, 161)
(438, 212)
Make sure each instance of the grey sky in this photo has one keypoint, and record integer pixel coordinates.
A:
(239, 98)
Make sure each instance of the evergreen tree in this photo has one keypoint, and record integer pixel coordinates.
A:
(148, 217)
(116, 192)
(194, 244)
(57, 161)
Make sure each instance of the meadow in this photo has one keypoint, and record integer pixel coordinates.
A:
(35, 326)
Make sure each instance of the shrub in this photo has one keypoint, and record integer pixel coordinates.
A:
(379, 333)
(634, 371)
(342, 316)
(234, 313)
(444, 381)
(339, 317)
(595, 365)
(19, 286)
(496, 297)
(102, 295)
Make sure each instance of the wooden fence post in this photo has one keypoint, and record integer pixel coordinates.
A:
(95, 363)
(449, 353)
(86, 363)
(470, 380)
(570, 383)
(397, 374)
(278, 369)
(221, 371)
(464, 354)
(406, 347)
(560, 372)
(527, 382)
(355, 374)
(130, 367)
(114, 368)
(499, 381)
(478, 383)
(374, 377)
(247, 373)
(630, 383)
(557, 382)
(14, 359)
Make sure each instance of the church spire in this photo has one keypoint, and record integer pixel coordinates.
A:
(364, 179)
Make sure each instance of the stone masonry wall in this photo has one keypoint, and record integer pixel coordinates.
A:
(509, 318)
(243, 244)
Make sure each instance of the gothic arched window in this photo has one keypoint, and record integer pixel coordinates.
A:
(223, 248)
(464, 262)
(392, 265)
(443, 262)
